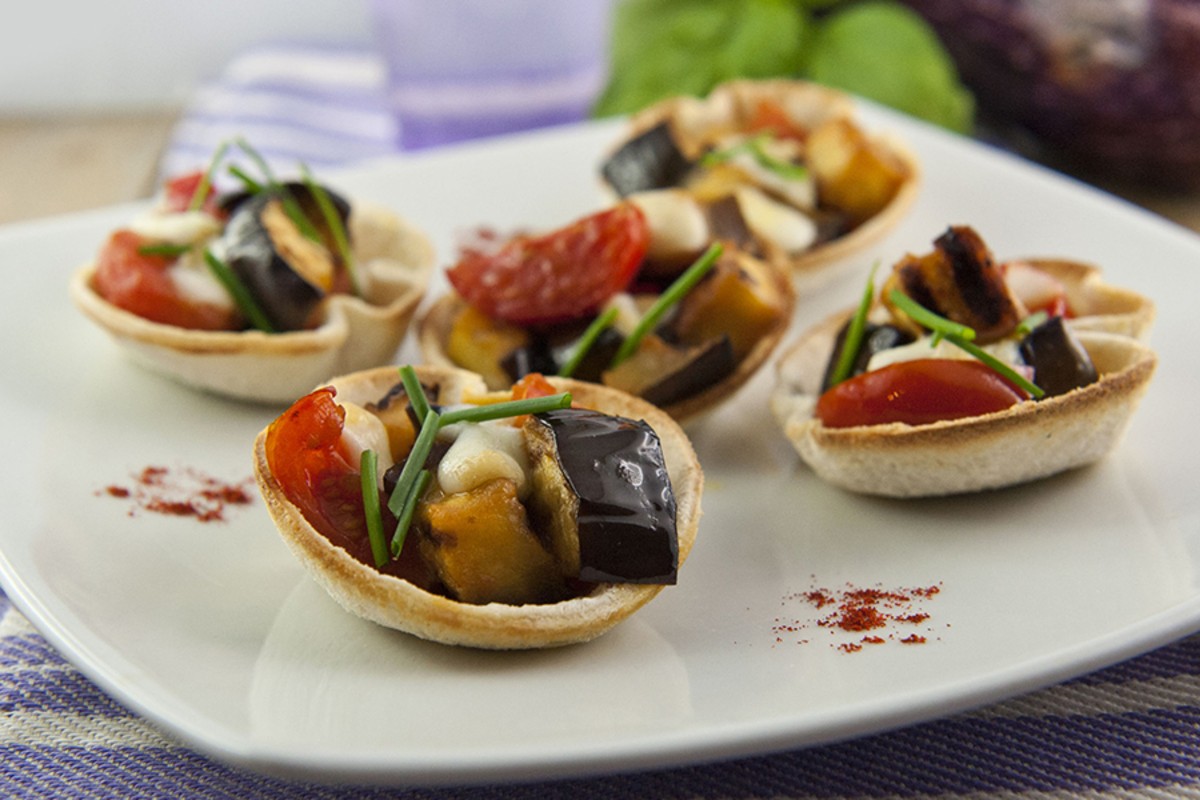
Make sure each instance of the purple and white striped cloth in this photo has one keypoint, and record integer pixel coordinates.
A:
(322, 107)
(1131, 730)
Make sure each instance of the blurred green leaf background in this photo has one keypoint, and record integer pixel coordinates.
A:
(878, 49)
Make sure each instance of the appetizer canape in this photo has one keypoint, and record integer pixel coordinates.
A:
(535, 517)
(965, 374)
(779, 167)
(620, 297)
(261, 293)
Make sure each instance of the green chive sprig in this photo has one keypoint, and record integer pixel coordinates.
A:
(164, 249)
(334, 222)
(854, 333)
(241, 295)
(961, 336)
(205, 184)
(290, 206)
(937, 324)
(598, 326)
(674, 293)
(368, 464)
(754, 146)
(414, 478)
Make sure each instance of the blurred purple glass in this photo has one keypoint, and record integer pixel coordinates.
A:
(464, 69)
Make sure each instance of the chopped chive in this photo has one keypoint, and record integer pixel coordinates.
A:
(368, 464)
(754, 146)
(241, 295)
(414, 477)
(416, 394)
(404, 497)
(854, 333)
(164, 249)
(589, 337)
(1032, 389)
(252, 186)
(334, 222)
(290, 206)
(937, 324)
(1025, 326)
(410, 507)
(674, 293)
(205, 184)
(415, 462)
(961, 337)
(510, 408)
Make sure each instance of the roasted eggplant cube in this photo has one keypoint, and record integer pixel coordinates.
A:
(651, 160)
(663, 373)
(602, 496)
(286, 273)
(1060, 363)
(483, 549)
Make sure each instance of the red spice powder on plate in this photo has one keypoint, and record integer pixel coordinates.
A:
(182, 492)
(856, 609)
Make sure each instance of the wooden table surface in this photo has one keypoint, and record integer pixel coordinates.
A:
(56, 165)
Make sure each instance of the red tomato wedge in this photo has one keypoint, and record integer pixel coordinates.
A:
(559, 276)
(140, 284)
(305, 454)
(917, 393)
(179, 191)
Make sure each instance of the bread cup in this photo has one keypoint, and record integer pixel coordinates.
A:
(864, 183)
(775, 298)
(341, 332)
(1077, 423)
(433, 332)
(1025, 442)
(396, 603)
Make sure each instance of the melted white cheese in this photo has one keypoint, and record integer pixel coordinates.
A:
(184, 227)
(482, 452)
(677, 225)
(365, 431)
(1006, 350)
(787, 228)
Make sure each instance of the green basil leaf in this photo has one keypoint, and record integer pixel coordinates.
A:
(883, 51)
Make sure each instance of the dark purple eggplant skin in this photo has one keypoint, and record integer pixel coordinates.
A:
(1110, 94)
(626, 517)
(286, 298)
(650, 160)
(1060, 363)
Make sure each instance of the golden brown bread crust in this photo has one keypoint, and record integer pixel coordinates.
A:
(278, 367)
(396, 603)
(730, 105)
(1025, 442)
(434, 325)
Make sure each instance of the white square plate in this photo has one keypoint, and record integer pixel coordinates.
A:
(215, 633)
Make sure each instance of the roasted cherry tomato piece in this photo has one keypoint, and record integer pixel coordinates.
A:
(179, 191)
(558, 276)
(773, 119)
(532, 385)
(139, 283)
(305, 453)
(916, 393)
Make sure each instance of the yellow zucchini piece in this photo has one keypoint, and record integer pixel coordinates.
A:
(483, 549)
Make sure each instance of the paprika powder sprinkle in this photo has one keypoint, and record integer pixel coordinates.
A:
(184, 492)
(855, 609)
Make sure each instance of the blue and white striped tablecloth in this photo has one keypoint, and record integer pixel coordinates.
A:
(1131, 730)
